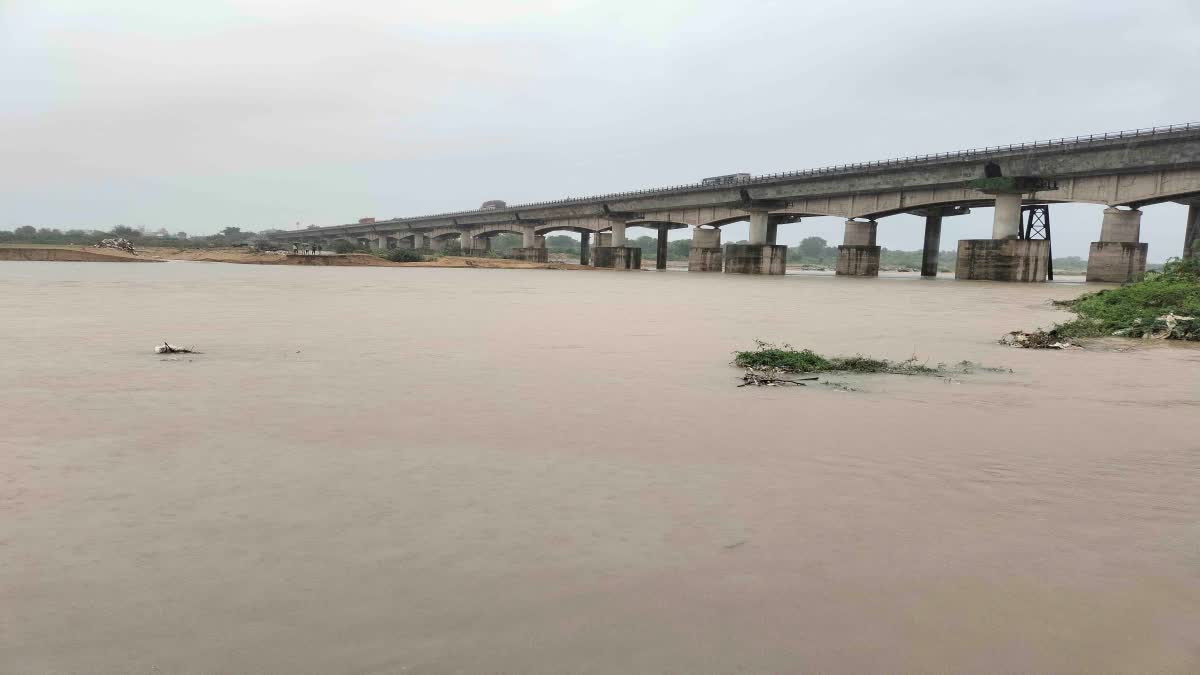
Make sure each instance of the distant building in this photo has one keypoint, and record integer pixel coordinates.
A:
(492, 204)
(727, 179)
(365, 221)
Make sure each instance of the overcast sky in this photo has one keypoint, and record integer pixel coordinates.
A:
(265, 113)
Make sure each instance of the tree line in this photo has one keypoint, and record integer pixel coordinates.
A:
(230, 236)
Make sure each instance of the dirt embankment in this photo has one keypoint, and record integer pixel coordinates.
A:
(68, 254)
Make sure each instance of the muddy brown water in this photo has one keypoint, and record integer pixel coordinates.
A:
(382, 470)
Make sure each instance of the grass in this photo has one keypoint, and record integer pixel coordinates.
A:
(1135, 309)
(787, 359)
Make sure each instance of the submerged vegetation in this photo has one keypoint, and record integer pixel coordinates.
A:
(786, 359)
(1166, 304)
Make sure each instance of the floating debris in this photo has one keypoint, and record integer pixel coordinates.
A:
(1038, 339)
(770, 377)
(168, 348)
(118, 243)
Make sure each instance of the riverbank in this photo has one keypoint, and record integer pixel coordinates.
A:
(67, 254)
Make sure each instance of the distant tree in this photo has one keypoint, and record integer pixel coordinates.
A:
(561, 243)
(232, 232)
(343, 246)
(181, 235)
(126, 232)
(813, 247)
(25, 232)
(505, 243)
(679, 249)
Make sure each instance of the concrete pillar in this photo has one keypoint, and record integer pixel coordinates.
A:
(618, 233)
(528, 237)
(860, 233)
(933, 241)
(772, 231)
(759, 224)
(603, 239)
(585, 240)
(379, 243)
(1118, 257)
(858, 256)
(1121, 225)
(704, 255)
(1191, 235)
(420, 241)
(1006, 222)
(660, 260)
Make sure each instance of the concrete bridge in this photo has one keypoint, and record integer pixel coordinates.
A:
(1124, 171)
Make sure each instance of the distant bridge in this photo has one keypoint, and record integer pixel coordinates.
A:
(1123, 171)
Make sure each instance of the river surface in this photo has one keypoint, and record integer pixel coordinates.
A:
(385, 470)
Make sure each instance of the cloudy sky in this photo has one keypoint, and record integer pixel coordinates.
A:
(267, 113)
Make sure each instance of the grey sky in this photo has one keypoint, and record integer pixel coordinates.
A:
(264, 113)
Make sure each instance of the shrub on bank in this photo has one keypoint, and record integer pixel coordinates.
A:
(1164, 304)
(402, 255)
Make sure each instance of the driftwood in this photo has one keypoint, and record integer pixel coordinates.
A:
(770, 378)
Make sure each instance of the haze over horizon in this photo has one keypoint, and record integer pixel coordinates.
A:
(264, 114)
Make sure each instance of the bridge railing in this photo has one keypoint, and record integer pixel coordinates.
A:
(837, 169)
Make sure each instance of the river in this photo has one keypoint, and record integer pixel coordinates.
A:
(384, 470)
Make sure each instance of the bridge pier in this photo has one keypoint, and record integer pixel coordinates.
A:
(704, 255)
(616, 255)
(533, 247)
(858, 256)
(660, 257)
(476, 247)
(585, 240)
(1191, 236)
(933, 242)
(760, 255)
(1118, 257)
(1004, 257)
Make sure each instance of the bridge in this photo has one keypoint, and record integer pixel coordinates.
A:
(1123, 171)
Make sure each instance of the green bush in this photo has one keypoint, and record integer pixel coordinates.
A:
(402, 255)
(1134, 309)
(784, 357)
(767, 356)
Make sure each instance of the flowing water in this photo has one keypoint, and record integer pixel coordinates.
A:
(382, 470)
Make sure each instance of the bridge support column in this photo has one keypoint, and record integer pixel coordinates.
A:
(660, 258)
(933, 241)
(616, 255)
(858, 256)
(476, 246)
(420, 242)
(1004, 257)
(759, 225)
(1118, 257)
(1006, 221)
(704, 255)
(585, 254)
(761, 255)
(533, 247)
(1191, 236)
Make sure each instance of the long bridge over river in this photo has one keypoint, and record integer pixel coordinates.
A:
(1123, 171)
